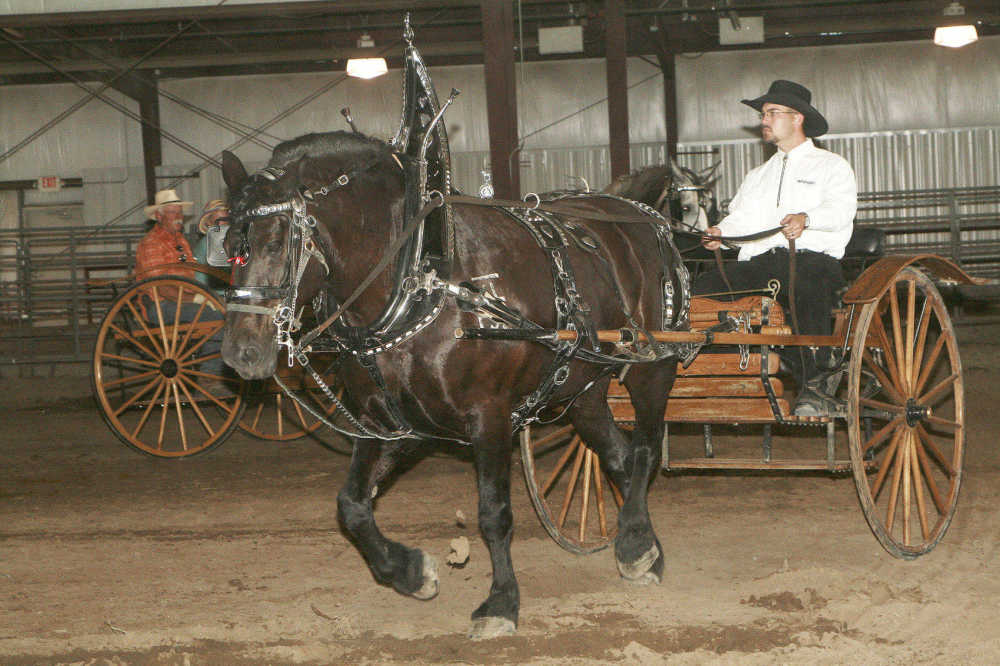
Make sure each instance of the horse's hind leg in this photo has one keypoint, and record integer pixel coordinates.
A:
(408, 570)
(497, 616)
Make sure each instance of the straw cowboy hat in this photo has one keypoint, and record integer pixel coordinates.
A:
(211, 207)
(794, 96)
(166, 198)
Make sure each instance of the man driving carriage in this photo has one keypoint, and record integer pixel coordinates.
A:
(811, 194)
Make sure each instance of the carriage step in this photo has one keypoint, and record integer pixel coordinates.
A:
(757, 463)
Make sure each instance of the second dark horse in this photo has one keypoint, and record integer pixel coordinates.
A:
(439, 386)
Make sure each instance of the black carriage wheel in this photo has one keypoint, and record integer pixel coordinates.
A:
(271, 414)
(575, 501)
(906, 377)
(156, 387)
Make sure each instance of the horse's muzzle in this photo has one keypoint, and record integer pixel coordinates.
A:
(251, 353)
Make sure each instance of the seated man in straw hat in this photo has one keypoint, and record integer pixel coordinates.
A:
(811, 194)
(164, 246)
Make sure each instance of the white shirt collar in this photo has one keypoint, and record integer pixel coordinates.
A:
(804, 147)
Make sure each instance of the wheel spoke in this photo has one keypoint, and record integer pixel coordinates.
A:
(559, 465)
(585, 504)
(149, 335)
(888, 385)
(211, 329)
(896, 409)
(938, 389)
(128, 337)
(926, 313)
(911, 305)
(883, 432)
(149, 408)
(191, 326)
(883, 469)
(599, 496)
(279, 416)
(180, 416)
(937, 420)
(928, 471)
(551, 437)
(907, 486)
(131, 379)
(143, 391)
(890, 360)
(197, 410)
(580, 451)
(919, 488)
(935, 451)
(897, 335)
(925, 373)
(897, 466)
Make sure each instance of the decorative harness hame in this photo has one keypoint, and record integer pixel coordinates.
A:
(422, 284)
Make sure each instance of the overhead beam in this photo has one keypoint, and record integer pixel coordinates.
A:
(501, 96)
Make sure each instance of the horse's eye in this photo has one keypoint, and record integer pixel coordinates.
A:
(687, 208)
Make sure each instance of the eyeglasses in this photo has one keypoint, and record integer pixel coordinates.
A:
(771, 113)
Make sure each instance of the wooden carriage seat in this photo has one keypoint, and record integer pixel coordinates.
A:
(713, 389)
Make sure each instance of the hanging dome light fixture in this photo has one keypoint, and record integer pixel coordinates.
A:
(366, 68)
(955, 36)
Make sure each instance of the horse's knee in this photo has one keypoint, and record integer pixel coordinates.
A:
(496, 520)
(352, 512)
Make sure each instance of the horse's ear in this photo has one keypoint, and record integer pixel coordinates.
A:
(232, 170)
(708, 172)
(676, 169)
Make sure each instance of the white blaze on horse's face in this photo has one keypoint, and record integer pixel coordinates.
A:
(693, 215)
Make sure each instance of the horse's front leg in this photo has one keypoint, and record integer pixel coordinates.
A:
(408, 570)
(497, 616)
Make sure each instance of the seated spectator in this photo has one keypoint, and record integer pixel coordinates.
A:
(213, 225)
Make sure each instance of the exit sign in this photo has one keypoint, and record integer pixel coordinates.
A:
(49, 184)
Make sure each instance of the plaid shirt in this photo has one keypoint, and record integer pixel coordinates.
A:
(159, 247)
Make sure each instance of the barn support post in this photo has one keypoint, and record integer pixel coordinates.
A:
(615, 38)
(501, 96)
(143, 88)
(668, 67)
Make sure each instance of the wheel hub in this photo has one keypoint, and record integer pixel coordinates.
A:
(169, 368)
(915, 413)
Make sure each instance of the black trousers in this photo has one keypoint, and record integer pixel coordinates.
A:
(818, 281)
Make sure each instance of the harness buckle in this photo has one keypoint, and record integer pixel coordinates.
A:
(343, 180)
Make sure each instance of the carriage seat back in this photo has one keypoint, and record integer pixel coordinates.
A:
(866, 242)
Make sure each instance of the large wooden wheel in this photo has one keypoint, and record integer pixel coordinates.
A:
(271, 414)
(576, 503)
(158, 376)
(906, 415)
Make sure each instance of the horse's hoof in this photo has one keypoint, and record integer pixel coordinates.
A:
(491, 627)
(429, 589)
(641, 571)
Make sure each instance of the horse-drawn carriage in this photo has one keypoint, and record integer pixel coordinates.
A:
(470, 320)
(161, 386)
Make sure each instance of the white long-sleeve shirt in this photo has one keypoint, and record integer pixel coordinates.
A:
(807, 180)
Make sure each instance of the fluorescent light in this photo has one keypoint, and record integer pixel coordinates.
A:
(955, 36)
(366, 68)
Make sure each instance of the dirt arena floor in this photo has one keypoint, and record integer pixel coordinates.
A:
(111, 557)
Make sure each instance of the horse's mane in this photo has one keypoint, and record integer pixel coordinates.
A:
(641, 185)
(350, 145)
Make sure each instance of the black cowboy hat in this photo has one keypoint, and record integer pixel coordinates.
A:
(794, 96)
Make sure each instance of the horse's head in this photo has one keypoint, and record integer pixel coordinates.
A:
(691, 199)
(681, 195)
(296, 226)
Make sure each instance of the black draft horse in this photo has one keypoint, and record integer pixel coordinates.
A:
(448, 388)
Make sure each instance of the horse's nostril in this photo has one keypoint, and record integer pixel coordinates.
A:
(249, 355)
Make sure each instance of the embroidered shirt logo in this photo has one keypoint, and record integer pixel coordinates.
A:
(805, 182)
